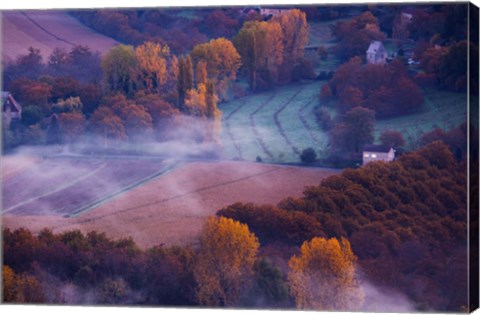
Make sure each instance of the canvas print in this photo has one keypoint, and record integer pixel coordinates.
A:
(303, 157)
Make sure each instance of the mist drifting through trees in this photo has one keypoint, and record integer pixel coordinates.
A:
(279, 88)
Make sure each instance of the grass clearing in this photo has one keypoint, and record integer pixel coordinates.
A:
(441, 109)
(271, 125)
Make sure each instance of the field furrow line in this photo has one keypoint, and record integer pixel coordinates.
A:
(77, 180)
(279, 126)
(114, 194)
(301, 115)
(254, 126)
(235, 110)
(209, 187)
(229, 131)
(45, 30)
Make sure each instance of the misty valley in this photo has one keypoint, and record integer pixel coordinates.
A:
(314, 157)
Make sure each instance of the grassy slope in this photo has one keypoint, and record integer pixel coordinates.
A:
(442, 109)
(274, 125)
(47, 30)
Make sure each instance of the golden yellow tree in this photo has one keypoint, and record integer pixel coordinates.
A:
(201, 73)
(295, 36)
(273, 42)
(213, 114)
(21, 288)
(225, 263)
(323, 276)
(222, 61)
(152, 64)
(195, 101)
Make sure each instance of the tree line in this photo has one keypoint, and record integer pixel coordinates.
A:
(73, 268)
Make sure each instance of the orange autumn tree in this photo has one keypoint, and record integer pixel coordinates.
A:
(152, 64)
(21, 288)
(323, 276)
(222, 62)
(225, 263)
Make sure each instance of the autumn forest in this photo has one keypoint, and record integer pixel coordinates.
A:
(219, 157)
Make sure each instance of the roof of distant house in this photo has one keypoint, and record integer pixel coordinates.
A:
(7, 95)
(377, 148)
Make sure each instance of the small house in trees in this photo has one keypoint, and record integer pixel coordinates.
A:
(269, 12)
(11, 110)
(376, 53)
(406, 18)
(378, 153)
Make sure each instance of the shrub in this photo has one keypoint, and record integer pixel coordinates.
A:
(308, 155)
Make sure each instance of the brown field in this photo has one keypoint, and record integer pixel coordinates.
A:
(47, 30)
(172, 208)
(11, 165)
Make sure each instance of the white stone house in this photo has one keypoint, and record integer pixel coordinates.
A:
(271, 12)
(378, 153)
(376, 53)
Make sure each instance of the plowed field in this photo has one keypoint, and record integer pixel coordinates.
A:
(169, 208)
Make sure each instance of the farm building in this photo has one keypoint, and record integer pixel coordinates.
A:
(10, 108)
(378, 153)
(271, 12)
(406, 18)
(376, 53)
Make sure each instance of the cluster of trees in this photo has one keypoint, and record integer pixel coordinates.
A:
(272, 51)
(180, 29)
(385, 89)
(405, 220)
(355, 35)
(443, 44)
(69, 81)
(73, 268)
(134, 92)
(139, 92)
(134, 27)
(446, 66)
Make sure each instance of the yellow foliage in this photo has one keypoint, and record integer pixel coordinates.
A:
(22, 288)
(152, 63)
(295, 33)
(201, 72)
(9, 292)
(225, 263)
(222, 61)
(195, 101)
(323, 276)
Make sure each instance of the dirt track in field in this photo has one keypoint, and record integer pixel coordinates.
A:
(173, 208)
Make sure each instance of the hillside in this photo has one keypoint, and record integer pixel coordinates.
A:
(47, 30)
(169, 209)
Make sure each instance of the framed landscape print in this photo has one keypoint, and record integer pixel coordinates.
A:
(252, 156)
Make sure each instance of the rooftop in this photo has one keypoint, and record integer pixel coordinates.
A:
(377, 148)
